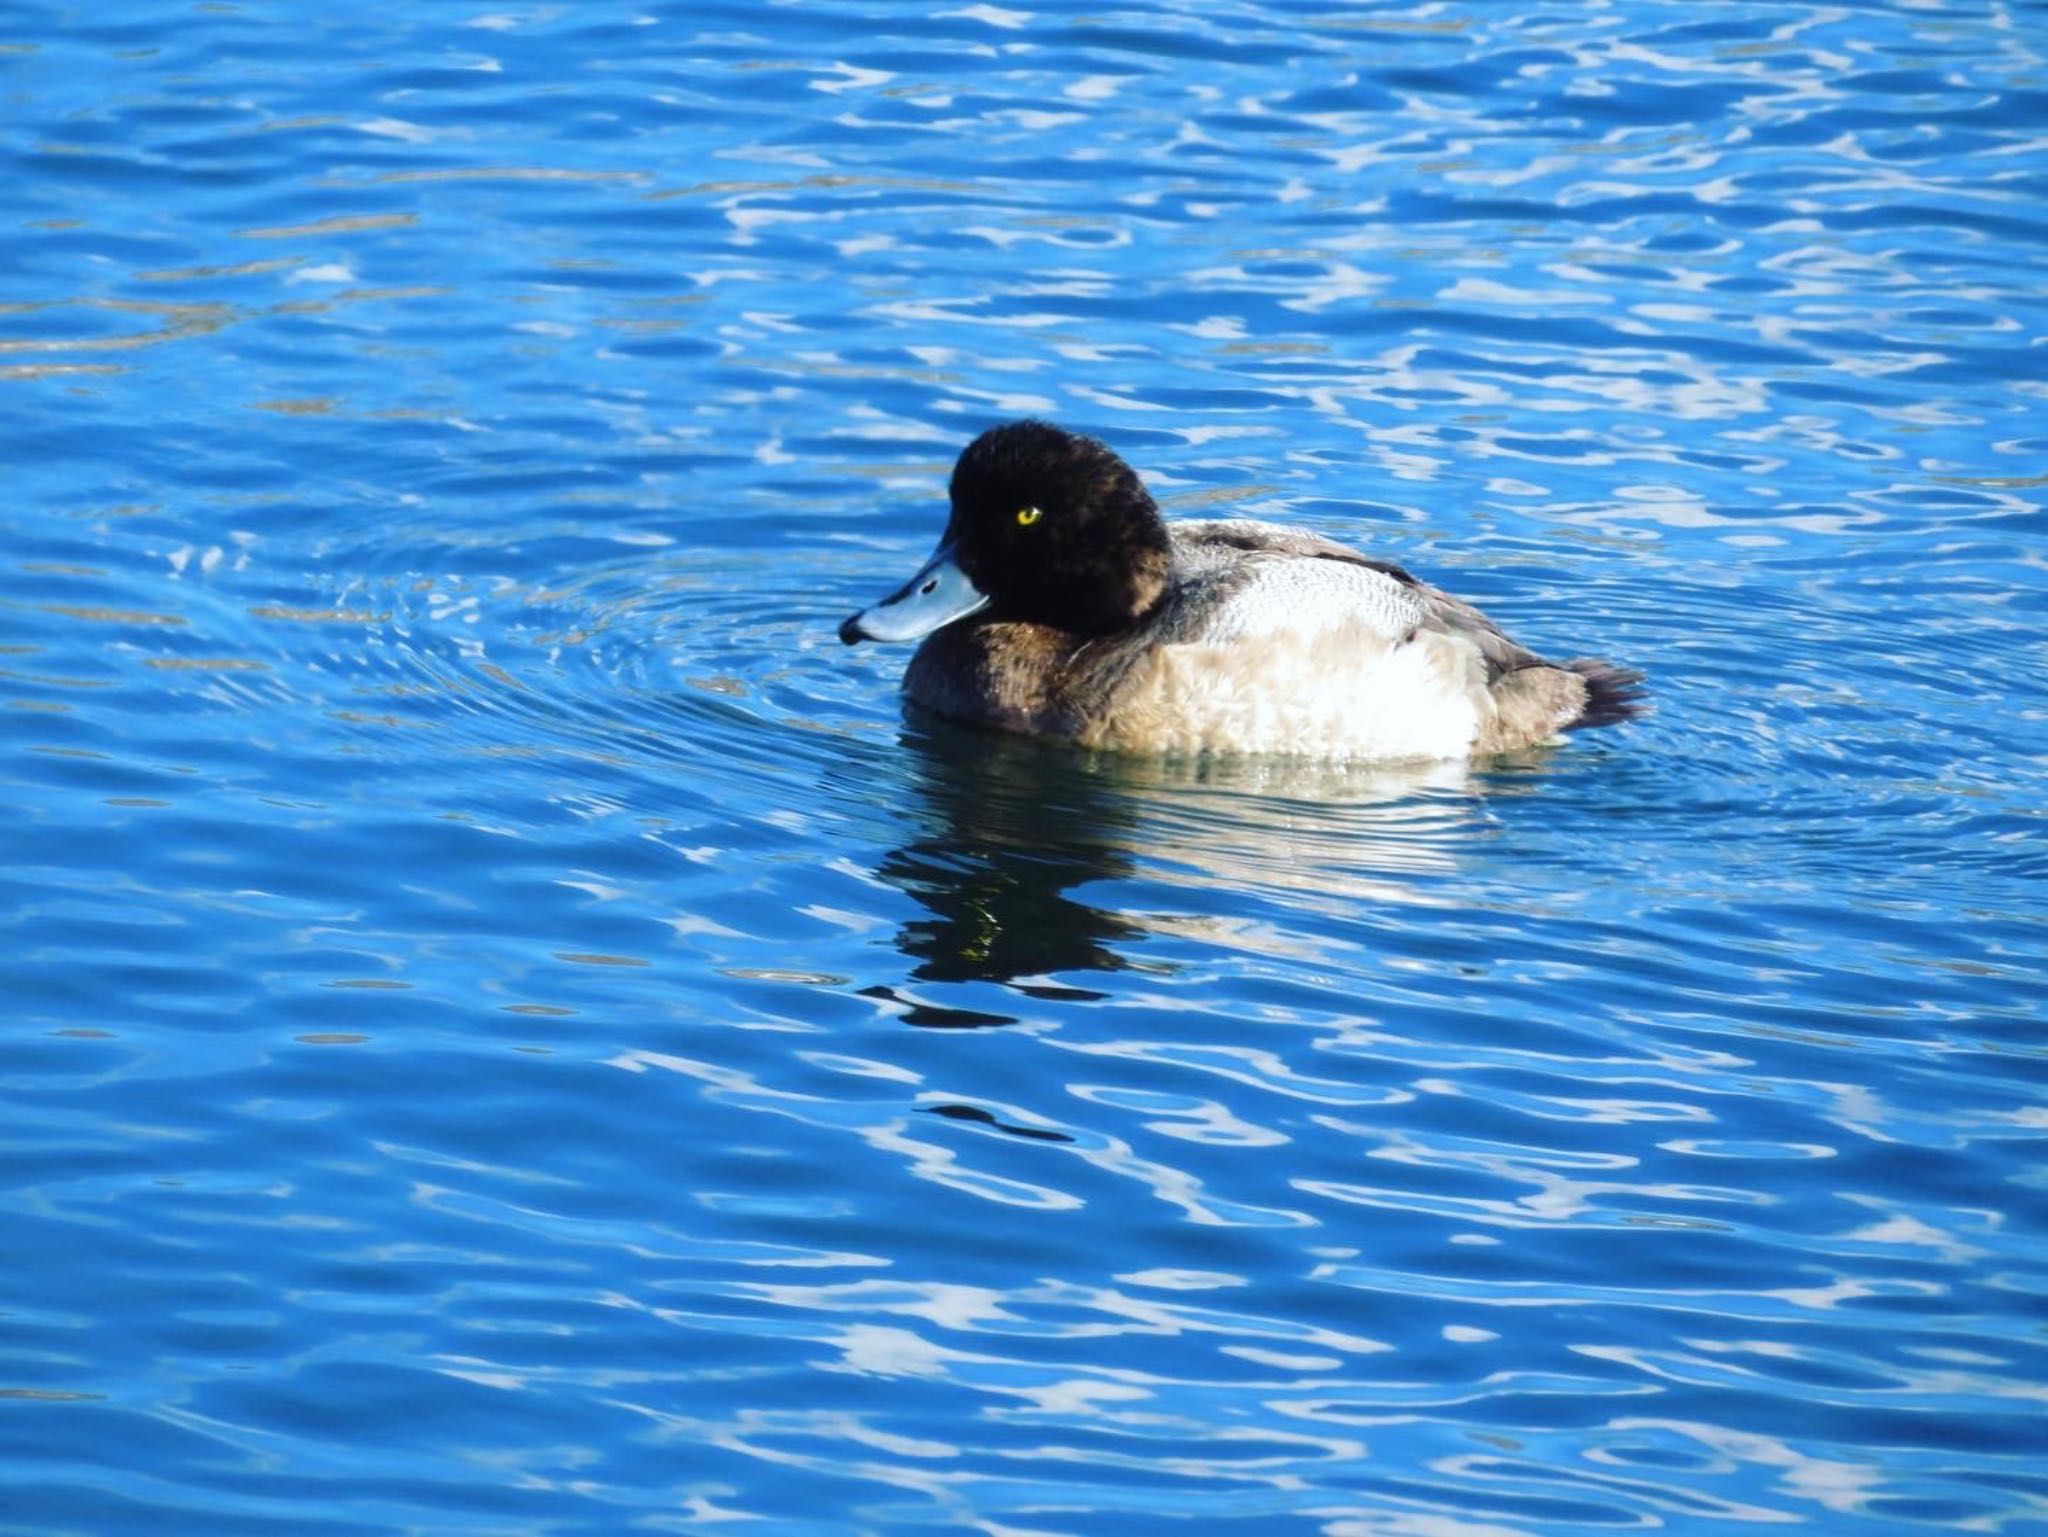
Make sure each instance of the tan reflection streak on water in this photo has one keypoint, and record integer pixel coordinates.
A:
(180, 320)
(343, 224)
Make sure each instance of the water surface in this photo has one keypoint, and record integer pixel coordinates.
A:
(511, 1031)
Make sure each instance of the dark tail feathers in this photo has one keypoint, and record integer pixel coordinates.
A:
(1613, 694)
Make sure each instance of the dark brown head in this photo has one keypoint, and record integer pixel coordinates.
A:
(1047, 528)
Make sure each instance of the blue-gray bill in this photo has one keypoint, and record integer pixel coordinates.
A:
(937, 595)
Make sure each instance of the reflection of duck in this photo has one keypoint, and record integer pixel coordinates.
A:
(1004, 832)
(1059, 604)
(1006, 828)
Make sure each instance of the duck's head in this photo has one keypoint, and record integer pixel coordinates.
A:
(1047, 528)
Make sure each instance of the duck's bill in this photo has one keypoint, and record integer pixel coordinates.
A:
(937, 595)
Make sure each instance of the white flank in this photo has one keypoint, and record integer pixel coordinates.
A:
(1308, 657)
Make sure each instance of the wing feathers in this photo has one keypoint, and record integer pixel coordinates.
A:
(1241, 578)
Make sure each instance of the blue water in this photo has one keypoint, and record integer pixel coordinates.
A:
(508, 1030)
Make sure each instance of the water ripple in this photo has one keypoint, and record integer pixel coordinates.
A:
(512, 1027)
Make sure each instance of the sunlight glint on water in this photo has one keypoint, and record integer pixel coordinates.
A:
(512, 1031)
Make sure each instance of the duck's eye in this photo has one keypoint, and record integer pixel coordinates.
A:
(1026, 516)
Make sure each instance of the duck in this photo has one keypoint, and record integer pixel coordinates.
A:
(1060, 604)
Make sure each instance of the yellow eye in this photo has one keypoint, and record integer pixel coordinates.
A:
(1026, 516)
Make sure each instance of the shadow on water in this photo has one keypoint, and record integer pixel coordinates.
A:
(1029, 859)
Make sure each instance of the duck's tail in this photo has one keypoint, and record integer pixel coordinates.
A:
(1613, 694)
